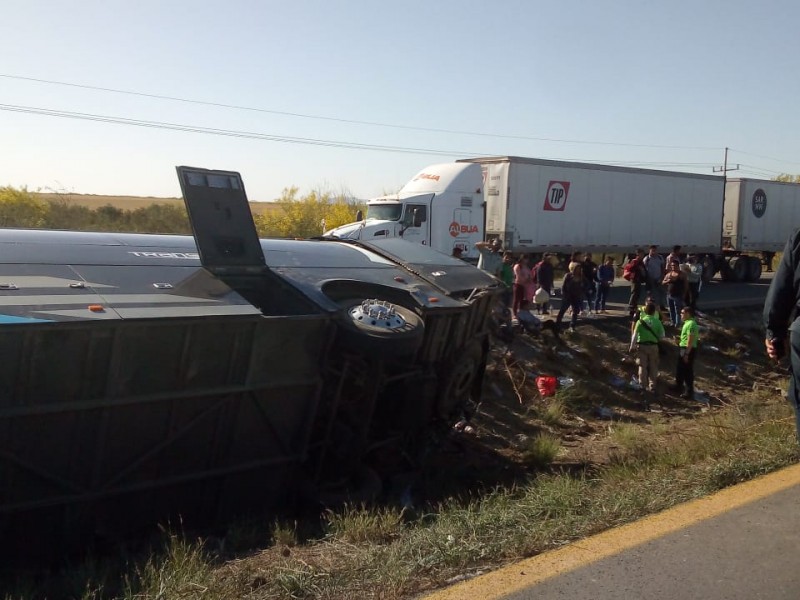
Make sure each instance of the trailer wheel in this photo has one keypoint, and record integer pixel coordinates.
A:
(709, 269)
(379, 328)
(727, 273)
(754, 272)
(740, 267)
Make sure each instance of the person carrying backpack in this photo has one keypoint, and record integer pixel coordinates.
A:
(646, 334)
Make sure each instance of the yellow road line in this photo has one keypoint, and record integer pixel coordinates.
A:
(528, 572)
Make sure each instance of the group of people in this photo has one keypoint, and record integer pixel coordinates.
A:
(668, 282)
(586, 286)
(647, 332)
(672, 282)
(526, 285)
(678, 283)
(584, 290)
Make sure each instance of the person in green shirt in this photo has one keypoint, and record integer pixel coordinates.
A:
(684, 370)
(647, 332)
(505, 273)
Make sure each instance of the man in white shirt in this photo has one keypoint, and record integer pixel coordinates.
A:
(654, 264)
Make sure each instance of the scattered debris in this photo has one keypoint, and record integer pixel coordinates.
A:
(460, 425)
(546, 384)
(597, 373)
(617, 381)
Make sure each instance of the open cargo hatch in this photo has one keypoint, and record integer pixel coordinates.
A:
(221, 221)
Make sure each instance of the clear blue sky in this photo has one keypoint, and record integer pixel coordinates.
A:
(641, 83)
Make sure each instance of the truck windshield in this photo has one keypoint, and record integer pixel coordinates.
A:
(384, 212)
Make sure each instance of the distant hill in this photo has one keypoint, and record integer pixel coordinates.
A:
(130, 202)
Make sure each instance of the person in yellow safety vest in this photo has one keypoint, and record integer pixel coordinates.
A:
(641, 310)
(647, 332)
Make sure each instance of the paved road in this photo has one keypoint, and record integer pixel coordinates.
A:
(740, 543)
(715, 294)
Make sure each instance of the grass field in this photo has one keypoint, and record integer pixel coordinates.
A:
(131, 202)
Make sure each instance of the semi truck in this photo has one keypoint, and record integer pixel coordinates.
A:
(535, 206)
(441, 207)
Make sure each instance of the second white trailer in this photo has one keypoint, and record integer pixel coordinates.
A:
(760, 215)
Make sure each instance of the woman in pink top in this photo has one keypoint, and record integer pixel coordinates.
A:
(522, 275)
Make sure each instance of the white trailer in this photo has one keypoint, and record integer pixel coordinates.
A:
(758, 216)
(552, 206)
(441, 207)
(537, 206)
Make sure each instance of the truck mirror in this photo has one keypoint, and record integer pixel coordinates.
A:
(359, 215)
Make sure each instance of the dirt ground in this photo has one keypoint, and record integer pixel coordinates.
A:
(595, 399)
(595, 394)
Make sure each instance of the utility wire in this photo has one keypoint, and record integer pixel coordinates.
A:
(766, 157)
(214, 131)
(350, 121)
(759, 172)
(289, 139)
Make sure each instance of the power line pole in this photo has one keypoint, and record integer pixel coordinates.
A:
(725, 168)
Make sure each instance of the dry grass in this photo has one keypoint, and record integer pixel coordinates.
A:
(578, 472)
(541, 450)
(131, 202)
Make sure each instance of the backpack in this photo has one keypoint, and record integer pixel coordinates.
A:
(535, 272)
(629, 270)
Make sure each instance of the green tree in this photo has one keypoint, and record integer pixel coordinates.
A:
(160, 218)
(787, 178)
(110, 218)
(341, 212)
(19, 208)
(305, 217)
(63, 215)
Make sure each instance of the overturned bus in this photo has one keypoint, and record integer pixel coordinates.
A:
(149, 378)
